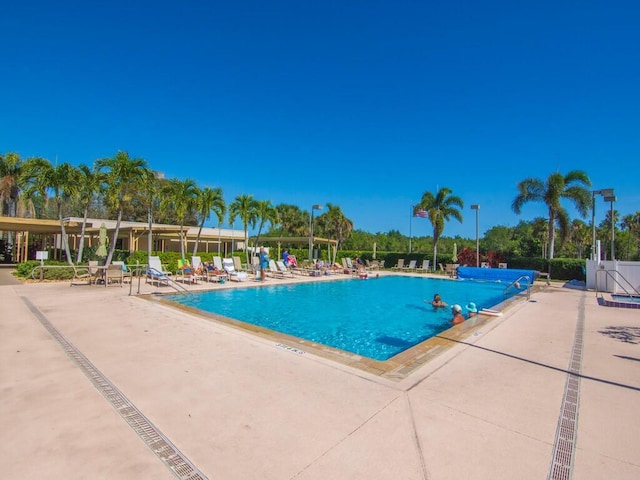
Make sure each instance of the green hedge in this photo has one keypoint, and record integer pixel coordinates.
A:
(23, 270)
(559, 268)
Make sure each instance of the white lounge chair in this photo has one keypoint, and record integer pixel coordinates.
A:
(410, 267)
(227, 265)
(273, 271)
(399, 265)
(283, 269)
(156, 273)
(196, 264)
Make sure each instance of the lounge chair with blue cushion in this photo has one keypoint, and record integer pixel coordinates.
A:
(156, 273)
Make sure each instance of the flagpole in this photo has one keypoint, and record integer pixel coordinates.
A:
(410, 217)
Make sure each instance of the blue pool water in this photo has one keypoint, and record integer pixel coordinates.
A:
(626, 298)
(377, 318)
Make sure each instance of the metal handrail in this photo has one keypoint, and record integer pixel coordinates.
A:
(517, 280)
(138, 270)
(609, 274)
(82, 267)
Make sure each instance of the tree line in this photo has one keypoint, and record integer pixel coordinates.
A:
(127, 188)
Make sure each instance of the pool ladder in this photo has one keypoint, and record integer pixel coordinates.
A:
(517, 281)
(610, 274)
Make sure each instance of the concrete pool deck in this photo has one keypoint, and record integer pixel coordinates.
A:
(240, 406)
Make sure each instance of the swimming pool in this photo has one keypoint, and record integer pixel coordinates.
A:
(377, 318)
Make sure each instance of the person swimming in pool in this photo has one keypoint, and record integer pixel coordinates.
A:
(437, 301)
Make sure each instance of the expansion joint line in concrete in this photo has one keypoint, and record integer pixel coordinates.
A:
(561, 467)
(160, 445)
(416, 437)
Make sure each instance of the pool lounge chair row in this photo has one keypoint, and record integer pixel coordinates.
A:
(224, 269)
(412, 266)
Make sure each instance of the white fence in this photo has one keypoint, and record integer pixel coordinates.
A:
(613, 276)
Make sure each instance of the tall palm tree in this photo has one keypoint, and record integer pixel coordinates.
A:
(266, 213)
(245, 207)
(89, 185)
(208, 199)
(10, 183)
(180, 195)
(151, 187)
(335, 226)
(572, 186)
(440, 208)
(123, 175)
(62, 180)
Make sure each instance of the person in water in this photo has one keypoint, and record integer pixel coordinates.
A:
(458, 317)
(437, 301)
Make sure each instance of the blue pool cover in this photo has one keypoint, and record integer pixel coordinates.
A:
(506, 275)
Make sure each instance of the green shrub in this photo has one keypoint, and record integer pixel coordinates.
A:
(559, 268)
(24, 270)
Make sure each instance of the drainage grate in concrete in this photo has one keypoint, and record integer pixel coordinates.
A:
(564, 445)
(155, 440)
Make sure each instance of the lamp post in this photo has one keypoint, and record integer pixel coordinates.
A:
(612, 198)
(604, 191)
(314, 207)
(476, 208)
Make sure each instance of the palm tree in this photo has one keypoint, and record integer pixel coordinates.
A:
(181, 195)
(292, 221)
(266, 213)
(150, 186)
(440, 208)
(207, 200)
(580, 235)
(335, 226)
(631, 223)
(557, 187)
(63, 181)
(608, 228)
(245, 207)
(89, 185)
(123, 175)
(10, 182)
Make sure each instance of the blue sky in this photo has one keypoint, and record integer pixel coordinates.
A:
(362, 104)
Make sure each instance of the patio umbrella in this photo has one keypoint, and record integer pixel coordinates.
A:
(454, 255)
(102, 239)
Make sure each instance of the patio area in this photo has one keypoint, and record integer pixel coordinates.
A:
(212, 401)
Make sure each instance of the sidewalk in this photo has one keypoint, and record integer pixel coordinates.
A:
(239, 407)
(6, 277)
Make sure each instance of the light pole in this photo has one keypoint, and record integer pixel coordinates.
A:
(314, 207)
(612, 198)
(476, 208)
(604, 191)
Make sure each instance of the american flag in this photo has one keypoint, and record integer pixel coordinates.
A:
(420, 213)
